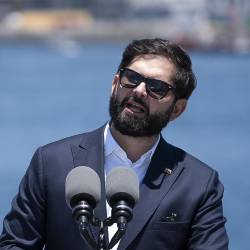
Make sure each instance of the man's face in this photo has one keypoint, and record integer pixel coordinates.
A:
(133, 111)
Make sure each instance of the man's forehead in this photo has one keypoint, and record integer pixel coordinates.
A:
(151, 65)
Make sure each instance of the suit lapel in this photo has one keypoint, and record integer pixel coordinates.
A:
(154, 188)
(90, 153)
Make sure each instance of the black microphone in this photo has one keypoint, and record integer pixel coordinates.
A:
(122, 191)
(83, 192)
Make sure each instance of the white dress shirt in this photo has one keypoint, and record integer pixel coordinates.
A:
(115, 156)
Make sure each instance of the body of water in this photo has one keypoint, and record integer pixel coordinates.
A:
(50, 91)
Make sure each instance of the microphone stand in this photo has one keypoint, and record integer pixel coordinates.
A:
(121, 214)
(118, 235)
(83, 229)
(101, 243)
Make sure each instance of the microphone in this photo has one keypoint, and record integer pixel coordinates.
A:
(83, 192)
(122, 191)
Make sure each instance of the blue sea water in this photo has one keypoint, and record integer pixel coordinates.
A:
(50, 91)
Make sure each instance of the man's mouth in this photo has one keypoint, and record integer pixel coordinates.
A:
(135, 107)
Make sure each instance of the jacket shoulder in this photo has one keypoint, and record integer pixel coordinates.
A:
(192, 163)
(73, 140)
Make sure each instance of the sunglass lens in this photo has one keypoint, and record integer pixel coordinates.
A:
(157, 88)
(132, 77)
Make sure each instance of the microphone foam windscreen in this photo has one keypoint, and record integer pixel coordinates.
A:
(83, 182)
(122, 180)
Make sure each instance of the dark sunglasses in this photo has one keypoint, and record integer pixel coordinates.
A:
(155, 88)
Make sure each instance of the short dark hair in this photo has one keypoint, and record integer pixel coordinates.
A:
(184, 78)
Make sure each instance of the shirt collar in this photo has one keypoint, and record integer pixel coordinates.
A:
(110, 144)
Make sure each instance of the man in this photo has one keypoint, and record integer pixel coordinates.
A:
(180, 205)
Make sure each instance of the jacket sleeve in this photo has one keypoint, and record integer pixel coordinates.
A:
(208, 227)
(24, 225)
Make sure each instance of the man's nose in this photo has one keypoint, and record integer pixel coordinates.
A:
(140, 90)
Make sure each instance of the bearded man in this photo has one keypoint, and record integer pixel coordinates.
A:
(180, 205)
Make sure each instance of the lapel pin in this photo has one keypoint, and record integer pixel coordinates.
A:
(167, 171)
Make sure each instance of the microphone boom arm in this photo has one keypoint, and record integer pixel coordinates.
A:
(117, 236)
(86, 236)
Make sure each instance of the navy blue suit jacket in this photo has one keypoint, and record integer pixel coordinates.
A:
(181, 211)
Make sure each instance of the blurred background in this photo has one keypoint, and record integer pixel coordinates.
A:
(58, 59)
(207, 24)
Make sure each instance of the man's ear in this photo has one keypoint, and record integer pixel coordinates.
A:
(178, 109)
(115, 82)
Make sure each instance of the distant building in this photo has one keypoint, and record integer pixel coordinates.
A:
(229, 7)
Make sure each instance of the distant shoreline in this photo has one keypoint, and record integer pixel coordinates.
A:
(80, 26)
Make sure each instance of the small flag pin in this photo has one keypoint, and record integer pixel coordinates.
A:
(167, 171)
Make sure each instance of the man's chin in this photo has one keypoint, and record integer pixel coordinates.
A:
(132, 126)
(134, 123)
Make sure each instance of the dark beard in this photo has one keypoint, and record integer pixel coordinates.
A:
(136, 126)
